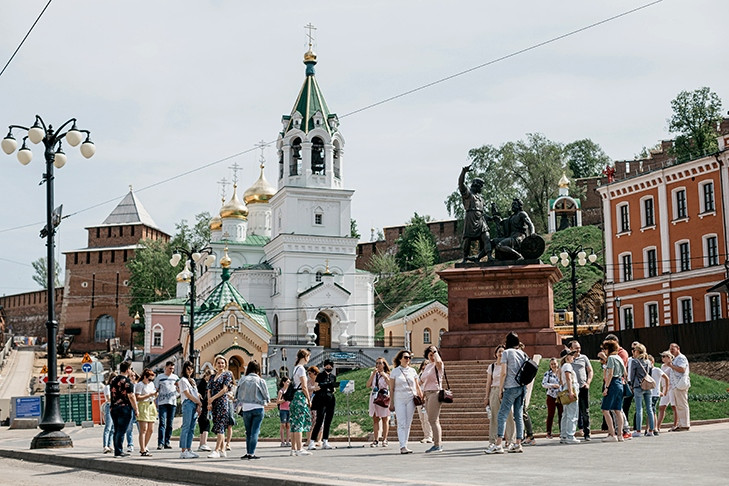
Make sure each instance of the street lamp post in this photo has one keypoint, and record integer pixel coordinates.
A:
(572, 257)
(52, 423)
(193, 258)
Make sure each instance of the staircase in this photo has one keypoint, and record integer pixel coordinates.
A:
(465, 418)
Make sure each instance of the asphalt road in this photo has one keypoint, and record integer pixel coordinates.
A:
(16, 374)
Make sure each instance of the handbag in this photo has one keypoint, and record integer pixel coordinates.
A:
(684, 383)
(444, 396)
(647, 383)
(417, 399)
(383, 396)
(564, 398)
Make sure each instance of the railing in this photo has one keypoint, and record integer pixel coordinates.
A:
(362, 341)
(350, 359)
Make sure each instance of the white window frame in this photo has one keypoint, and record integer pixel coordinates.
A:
(707, 305)
(647, 315)
(619, 216)
(702, 200)
(677, 247)
(679, 305)
(318, 215)
(643, 220)
(646, 267)
(158, 330)
(705, 244)
(621, 266)
(427, 336)
(674, 204)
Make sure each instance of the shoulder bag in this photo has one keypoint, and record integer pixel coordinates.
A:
(444, 395)
(647, 383)
(383, 395)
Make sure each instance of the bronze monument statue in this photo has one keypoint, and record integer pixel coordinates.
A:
(514, 231)
(474, 219)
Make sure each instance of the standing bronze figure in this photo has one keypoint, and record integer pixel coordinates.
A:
(474, 222)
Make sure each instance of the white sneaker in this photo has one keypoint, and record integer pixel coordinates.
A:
(304, 452)
(515, 448)
(192, 454)
(204, 448)
(283, 444)
(312, 446)
(325, 445)
(186, 455)
(107, 450)
(570, 441)
(426, 441)
(130, 448)
(610, 438)
(223, 454)
(214, 455)
(494, 449)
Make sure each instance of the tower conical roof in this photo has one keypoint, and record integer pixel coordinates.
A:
(310, 101)
(130, 211)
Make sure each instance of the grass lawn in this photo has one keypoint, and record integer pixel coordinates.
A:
(708, 399)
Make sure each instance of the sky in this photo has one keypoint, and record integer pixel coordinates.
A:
(176, 91)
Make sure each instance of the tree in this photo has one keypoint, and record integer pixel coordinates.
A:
(423, 252)
(353, 233)
(406, 250)
(41, 272)
(695, 118)
(152, 278)
(499, 187)
(536, 166)
(383, 264)
(585, 158)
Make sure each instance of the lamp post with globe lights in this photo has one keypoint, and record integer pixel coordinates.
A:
(193, 258)
(573, 257)
(52, 435)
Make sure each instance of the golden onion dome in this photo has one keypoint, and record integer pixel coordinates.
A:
(216, 223)
(234, 208)
(564, 182)
(260, 192)
(309, 56)
(225, 261)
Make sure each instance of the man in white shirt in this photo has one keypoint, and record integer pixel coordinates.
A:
(583, 373)
(166, 384)
(680, 384)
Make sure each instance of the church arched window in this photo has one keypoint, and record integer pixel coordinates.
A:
(317, 156)
(295, 156)
(337, 160)
(105, 328)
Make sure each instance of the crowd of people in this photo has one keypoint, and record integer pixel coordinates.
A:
(306, 400)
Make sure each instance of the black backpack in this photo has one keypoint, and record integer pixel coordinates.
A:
(527, 372)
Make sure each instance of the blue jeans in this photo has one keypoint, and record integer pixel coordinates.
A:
(568, 425)
(189, 417)
(108, 426)
(252, 420)
(164, 432)
(643, 397)
(122, 417)
(513, 398)
(130, 429)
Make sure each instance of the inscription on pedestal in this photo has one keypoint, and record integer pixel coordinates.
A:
(498, 310)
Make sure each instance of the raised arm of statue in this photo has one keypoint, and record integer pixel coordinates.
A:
(462, 179)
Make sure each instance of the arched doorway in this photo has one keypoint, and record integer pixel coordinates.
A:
(105, 328)
(235, 365)
(323, 330)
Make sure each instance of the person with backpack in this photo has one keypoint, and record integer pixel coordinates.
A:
(515, 375)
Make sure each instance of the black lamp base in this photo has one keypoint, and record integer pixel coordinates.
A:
(53, 439)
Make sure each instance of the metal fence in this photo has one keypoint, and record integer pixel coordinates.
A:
(697, 338)
(362, 341)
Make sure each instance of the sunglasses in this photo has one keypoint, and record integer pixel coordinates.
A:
(406, 357)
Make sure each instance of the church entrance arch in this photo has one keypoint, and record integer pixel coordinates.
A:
(235, 366)
(105, 328)
(323, 330)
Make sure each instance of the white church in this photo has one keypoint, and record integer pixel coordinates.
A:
(286, 250)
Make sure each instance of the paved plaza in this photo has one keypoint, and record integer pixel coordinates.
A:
(697, 457)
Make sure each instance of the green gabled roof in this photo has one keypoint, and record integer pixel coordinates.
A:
(309, 101)
(220, 297)
(175, 301)
(407, 311)
(251, 240)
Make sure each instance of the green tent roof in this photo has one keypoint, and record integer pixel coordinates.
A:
(310, 101)
(407, 311)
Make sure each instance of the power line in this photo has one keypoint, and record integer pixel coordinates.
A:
(373, 105)
(24, 38)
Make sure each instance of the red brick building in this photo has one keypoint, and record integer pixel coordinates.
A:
(665, 240)
(96, 296)
(26, 314)
(447, 238)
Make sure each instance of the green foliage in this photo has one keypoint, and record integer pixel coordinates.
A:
(581, 236)
(695, 117)
(383, 264)
(40, 266)
(152, 278)
(353, 232)
(708, 399)
(585, 158)
(400, 290)
(409, 255)
(424, 252)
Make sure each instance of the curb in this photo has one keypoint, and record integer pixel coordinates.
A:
(159, 472)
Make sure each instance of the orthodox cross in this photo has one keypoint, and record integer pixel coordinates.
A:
(223, 183)
(235, 168)
(262, 145)
(310, 27)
